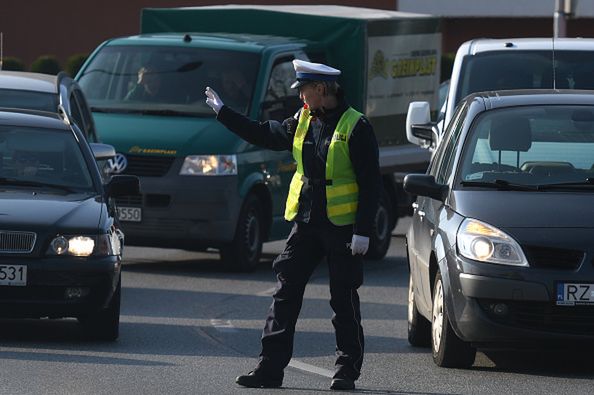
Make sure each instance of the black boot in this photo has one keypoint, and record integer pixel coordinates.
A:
(256, 379)
(342, 383)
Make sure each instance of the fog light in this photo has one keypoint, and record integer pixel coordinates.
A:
(499, 308)
(76, 293)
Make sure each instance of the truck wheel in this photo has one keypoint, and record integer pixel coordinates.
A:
(104, 324)
(243, 254)
(381, 233)
(419, 328)
(448, 349)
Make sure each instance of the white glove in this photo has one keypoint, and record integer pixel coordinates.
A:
(213, 100)
(359, 244)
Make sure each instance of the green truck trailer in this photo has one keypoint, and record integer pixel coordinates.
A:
(202, 186)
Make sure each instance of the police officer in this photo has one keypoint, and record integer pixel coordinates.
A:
(332, 198)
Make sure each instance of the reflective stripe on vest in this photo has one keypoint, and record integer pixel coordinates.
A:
(342, 194)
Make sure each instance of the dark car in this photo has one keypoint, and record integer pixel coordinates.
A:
(51, 93)
(501, 245)
(60, 242)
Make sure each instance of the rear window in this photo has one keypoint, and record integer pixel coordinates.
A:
(168, 80)
(504, 70)
(13, 98)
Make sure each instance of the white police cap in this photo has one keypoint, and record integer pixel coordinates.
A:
(307, 72)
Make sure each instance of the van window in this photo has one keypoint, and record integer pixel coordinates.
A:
(168, 80)
(281, 101)
(503, 70)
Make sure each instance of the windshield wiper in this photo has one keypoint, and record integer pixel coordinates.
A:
(172, 113)
(26, 183)
(114, 110)
(500, 184)
(588, 182)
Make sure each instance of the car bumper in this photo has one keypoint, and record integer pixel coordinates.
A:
(184, 212)
(48, 281)
(500, 304)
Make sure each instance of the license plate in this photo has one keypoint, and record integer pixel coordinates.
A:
(572, 294)
(15, 275)
(131, 214)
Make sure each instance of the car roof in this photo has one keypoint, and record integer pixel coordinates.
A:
(21, 80)
(527, 97)
(510, 44)
(229, 41)
(31, 118)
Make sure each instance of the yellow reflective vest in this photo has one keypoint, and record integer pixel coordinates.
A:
(342, 191)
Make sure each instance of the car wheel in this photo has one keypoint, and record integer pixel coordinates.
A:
(104, 324)
(448, 349)
(419, 328)
(243, 254)
(381, 233)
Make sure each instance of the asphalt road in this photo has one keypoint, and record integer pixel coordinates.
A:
(189, 328)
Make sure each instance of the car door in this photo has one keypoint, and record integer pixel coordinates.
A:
(429, 210)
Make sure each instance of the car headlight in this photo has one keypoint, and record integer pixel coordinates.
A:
(485, 243)
(209, 165)
(96, 245)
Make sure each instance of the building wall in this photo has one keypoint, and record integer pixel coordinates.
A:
(66, 27)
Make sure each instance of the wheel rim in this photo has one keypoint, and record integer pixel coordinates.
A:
(437, 321)
(411, 300)
(252, 234)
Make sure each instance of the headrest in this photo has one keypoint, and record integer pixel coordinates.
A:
(510, 134)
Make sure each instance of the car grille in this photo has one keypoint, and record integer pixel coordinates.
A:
(553, 258)
(148, 166)
(16, 242)
(578, 320)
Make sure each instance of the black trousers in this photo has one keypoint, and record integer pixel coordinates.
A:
(306, 246)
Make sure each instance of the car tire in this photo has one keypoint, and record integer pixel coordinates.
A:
(243, 254)
(419, 328)
(381, 232)
(104, 324)
(448, 349)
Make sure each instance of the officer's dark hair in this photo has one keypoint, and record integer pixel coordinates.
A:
(333, 88)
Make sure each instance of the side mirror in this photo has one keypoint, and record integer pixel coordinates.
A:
(425, 185)
(418, 114)
(123, 185)
(102, 151)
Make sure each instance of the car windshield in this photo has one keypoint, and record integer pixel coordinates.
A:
(503, 70)
(166, 80)
(532, 145)
(42, 157)
(30, 100)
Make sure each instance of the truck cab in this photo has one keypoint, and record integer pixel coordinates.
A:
(202, 185)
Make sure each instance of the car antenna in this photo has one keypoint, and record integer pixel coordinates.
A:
(554, 66)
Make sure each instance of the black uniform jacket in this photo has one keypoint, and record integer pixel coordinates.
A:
(363, 150)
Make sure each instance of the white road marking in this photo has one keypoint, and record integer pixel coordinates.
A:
(310, 368)
(223, 325)
(268, 292)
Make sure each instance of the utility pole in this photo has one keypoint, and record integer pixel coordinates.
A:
(563, 10)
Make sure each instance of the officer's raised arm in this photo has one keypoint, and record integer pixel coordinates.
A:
(274, 135)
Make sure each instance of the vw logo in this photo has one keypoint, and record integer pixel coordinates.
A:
(118, 164)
